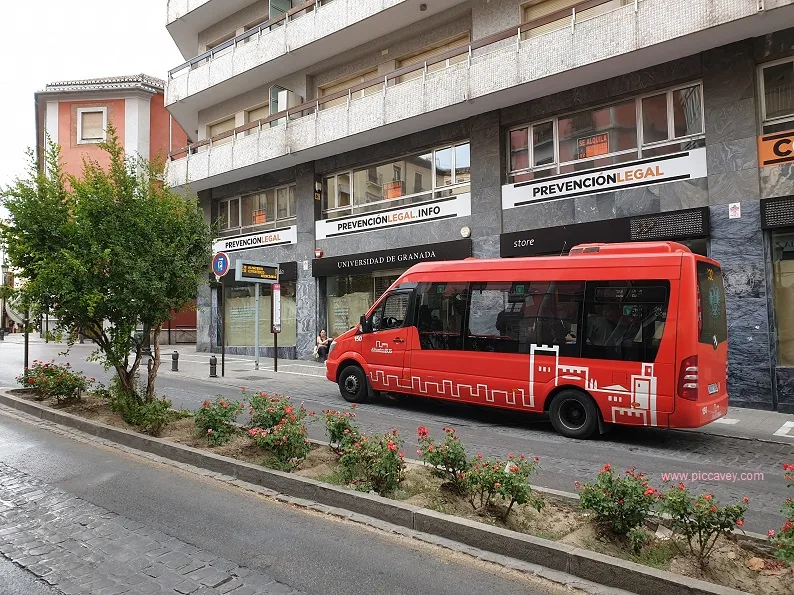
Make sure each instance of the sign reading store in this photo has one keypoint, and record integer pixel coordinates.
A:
(687, 165)
(263, 239)
(396, 258)
(447, 208)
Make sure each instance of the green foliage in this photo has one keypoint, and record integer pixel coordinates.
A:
(488, 478)
(620, 503)
(374, 463)
(700, 519)
(51, 380)
(286, 440)
(215, 420)
(342, 432)
(448, 459)
(105, 252)
(267, 411)
(150, 417)
(783, 540)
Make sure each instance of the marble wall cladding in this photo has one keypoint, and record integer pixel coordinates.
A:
(306, 290)
(732, 155)
(486, 183)
(687, 194)
(729, 121)
(288, 352)
(773, 45)
(595, 207)
(734, 186)
(643, 200)
(728, 73)
(546, 214)
(777, 180)
(738, 244)
(785, 389)
(204, 326)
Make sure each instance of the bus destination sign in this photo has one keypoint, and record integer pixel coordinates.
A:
(256, 272)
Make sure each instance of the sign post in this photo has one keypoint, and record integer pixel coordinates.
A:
(220, 266)
(275, 319)
(259, 273)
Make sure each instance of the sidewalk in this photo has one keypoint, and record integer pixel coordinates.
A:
(752, 424)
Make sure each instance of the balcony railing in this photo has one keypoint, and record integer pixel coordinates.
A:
(494, 63)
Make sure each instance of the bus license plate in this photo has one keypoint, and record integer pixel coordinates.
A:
(713, 388)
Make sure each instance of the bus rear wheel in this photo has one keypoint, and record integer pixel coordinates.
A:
(574, 414)
(353, 384)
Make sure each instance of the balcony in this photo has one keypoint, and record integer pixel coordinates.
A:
(187, 18)
(306, 35)
(502, 70)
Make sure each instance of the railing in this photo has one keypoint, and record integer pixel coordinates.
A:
(314, 105)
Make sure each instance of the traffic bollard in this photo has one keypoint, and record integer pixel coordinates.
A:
(175, 361)
(213, 367)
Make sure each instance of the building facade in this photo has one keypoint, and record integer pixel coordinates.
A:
(349, 139)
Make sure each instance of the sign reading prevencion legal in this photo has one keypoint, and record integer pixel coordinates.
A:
(263, 239)
(688, 165)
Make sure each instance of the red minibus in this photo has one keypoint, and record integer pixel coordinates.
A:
(629, 333)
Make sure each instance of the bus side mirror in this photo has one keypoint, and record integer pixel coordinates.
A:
(365, 325)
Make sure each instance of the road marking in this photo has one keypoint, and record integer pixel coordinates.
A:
(726, 420)
(785, 429)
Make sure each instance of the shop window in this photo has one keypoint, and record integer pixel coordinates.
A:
(625, 320)
(783, 274)
(264, 210)
(658, 124)
(777, 98)
(91, 125)
(440, 313)
(413, 179)
(240, 310)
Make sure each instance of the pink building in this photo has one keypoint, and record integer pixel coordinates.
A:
(75, 114)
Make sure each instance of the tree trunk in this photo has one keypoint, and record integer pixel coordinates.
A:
(155, 365)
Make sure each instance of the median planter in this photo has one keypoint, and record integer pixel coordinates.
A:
(560, 536)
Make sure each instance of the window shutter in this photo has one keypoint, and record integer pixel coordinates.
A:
(221, 127)
(346, 84)
(92, 126)
(259, 113)
(541, 9)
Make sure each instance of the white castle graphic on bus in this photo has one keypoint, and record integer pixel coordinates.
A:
(627, 404)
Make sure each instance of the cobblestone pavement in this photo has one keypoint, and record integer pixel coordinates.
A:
(81, 548)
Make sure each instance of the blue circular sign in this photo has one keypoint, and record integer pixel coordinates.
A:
(220, 264)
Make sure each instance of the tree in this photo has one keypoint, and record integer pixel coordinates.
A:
(106, 252)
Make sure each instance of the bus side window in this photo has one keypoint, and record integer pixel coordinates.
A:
(440, 313)
(556, 319)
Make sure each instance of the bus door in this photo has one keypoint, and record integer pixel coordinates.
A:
(384, 348)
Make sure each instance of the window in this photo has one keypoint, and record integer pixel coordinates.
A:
(777, 99)
(537, 9)
(392, 314)
(416, 178)
(344, 84)
(783, 274)
(658, 124)
(91, 125)
(428, 54)
(264, 210)
(257, 113)
(625, 320)
(441, 308)
(712, 319)
(220, 127)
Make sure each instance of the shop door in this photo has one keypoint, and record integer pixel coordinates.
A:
(385, 347)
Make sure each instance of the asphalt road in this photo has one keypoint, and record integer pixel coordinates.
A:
(18, 581)
(304, 550)
(497, 433)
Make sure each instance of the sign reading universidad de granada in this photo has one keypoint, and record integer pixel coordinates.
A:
(447, 208)
(688, 165)
(263, 239)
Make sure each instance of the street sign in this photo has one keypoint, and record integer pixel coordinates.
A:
(220, 264)
(256, 272)
(276, 308)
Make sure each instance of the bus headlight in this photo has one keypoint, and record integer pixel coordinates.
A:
(331, 348)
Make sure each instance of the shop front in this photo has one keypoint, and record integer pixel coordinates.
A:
(689, 227)
(352, 283)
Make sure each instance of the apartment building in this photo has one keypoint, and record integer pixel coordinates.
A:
(349, 139)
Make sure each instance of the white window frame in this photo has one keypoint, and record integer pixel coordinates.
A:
(641, 146)
(91, 141)
(762, 94)
(387, 202)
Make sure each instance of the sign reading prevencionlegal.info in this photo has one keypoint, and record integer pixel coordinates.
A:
(446, 208)
(263, 239)
(687, 165)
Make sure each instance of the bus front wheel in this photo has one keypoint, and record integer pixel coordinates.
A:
(574, 415)
(353, 384)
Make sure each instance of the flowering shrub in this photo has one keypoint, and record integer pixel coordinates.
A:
(54, 380)
(488, 478)
(783, 540)
(448, 459)
(286, 440)
(341, 430)
(700, 519)
(374, 463)
(216, 420)
(620, 503)
(267, 411)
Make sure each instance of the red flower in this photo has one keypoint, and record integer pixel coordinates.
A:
(606, 468)
(649, 492)
(707, 497)
(537, 459)
(713, 508)
(788, 467)
(510, 457)
(497, 484)
(740, 523)
(514, 469)
(391, 446)
(745, 499)
(401, 455)
(354, 405)
(479, 457)
(422, 431)
(681, 486)
(770, 533)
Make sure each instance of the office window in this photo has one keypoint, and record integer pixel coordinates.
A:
(783, 273)
(440, 313)
(776, 95)
(91, 125)
(268, 209)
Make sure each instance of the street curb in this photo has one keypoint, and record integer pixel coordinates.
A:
(591, 566)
